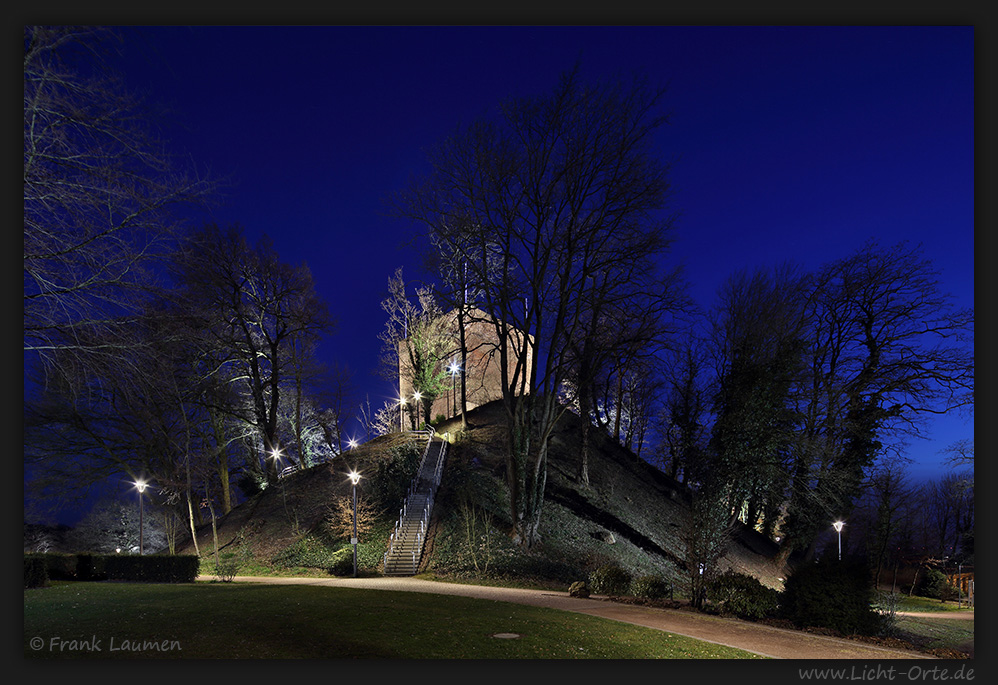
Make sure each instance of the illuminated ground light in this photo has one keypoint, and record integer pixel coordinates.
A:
(506, 636)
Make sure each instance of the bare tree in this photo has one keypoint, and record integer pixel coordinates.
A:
(682, 421)
(260, 313)
(340, 516)
(612, 360)
(337, 395)
(99, 201)
(416, 342)
(557, 190)
(705, 534)
(459, 291)
(888, 498)
(112, 525)
(961, 455)
(885, 348)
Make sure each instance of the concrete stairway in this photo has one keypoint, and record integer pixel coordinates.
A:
(405, 547)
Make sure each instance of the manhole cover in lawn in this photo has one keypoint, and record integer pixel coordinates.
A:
(507, 636)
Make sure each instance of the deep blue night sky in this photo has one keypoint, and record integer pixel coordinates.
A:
(788, 143)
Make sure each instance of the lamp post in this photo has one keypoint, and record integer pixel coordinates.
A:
(838, 529)
(275, 455)
(417, 396)
(141, 487)
(354, 477)
(453, 368)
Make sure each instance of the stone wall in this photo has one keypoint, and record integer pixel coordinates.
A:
(483, 374)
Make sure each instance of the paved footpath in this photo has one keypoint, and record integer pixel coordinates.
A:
(764, 640)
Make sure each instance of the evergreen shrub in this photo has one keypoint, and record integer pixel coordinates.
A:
(395, 474)
(831, 594)
(341, 563)
(651, 587)
(934, 584)
(742, 595)
(308, 552)
(227, 567)
(610, 580)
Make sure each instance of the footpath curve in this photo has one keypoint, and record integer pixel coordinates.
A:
(764, 640)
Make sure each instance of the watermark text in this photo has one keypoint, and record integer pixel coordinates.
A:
(879, 672)
(109, 645)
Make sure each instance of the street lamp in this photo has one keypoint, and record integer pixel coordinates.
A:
(453, 368)
(838, 529)
(417, 396)
(275, 456)
(354, 477)
(141, 487)
(352, 443)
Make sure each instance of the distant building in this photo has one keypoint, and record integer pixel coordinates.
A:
(482, 377)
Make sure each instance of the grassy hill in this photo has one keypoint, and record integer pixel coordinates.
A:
(629, 515)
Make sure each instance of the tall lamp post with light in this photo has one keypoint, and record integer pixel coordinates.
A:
(453, 368)
(354, 477)
(838, 529)
(140, 485)
(417, 396)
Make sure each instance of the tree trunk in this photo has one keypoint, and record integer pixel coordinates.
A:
(214, 529)
(464, 366)
(619, 403)
(586, 426)
(190, 518)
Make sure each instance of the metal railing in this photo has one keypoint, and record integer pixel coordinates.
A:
(400, 534)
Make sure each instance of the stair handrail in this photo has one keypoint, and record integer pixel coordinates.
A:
(424, 519)
(414, 484)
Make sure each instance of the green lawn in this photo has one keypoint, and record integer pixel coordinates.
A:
(941, 632)
(246, 621)
(916, 603)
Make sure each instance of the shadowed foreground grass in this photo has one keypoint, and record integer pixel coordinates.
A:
(245, 621)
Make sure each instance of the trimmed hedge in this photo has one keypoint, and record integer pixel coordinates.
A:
(152, 568)
(58, 566)
(90, 567)
(35, 572)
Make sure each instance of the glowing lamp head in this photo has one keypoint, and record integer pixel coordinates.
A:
(838, 526)
(417, 395)
(402, 401)
(141, 485)
(354, 477)
(454, 368)
(352, 443)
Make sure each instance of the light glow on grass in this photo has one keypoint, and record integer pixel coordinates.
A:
(251, 621)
